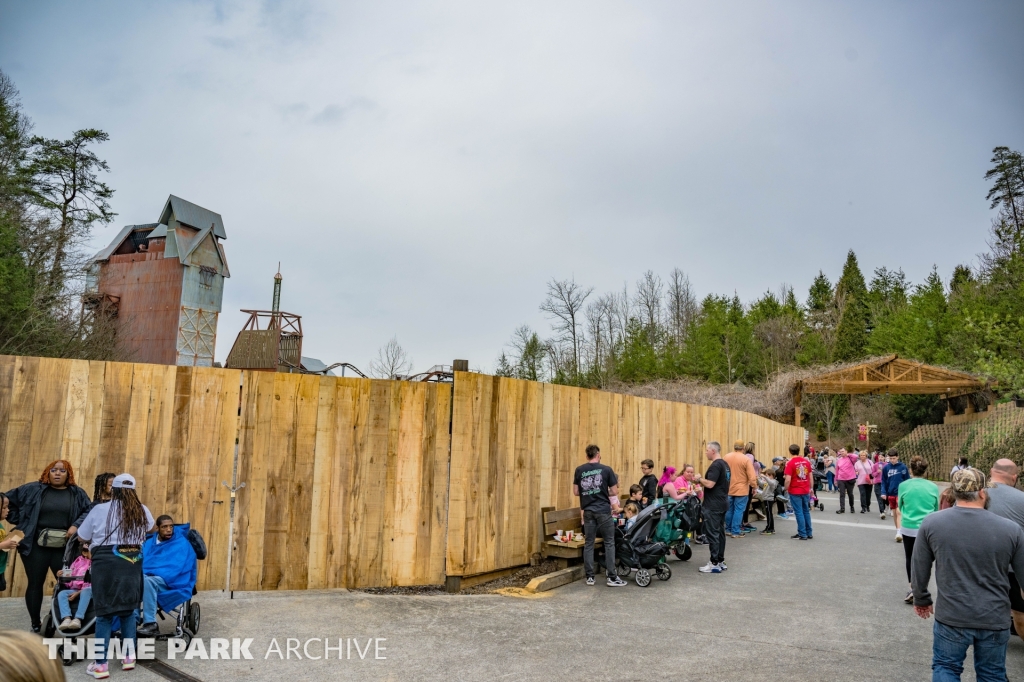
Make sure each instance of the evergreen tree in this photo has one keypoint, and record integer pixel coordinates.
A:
(852, 330)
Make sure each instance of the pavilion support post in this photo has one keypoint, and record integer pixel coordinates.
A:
(797, 399)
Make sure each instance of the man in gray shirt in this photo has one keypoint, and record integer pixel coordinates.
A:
(972, 549)
(1008, 502)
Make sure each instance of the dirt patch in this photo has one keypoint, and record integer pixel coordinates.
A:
(518, 579)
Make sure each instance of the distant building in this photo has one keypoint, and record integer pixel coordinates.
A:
(164, 284)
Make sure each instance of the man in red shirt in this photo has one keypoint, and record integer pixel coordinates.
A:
(798, 484)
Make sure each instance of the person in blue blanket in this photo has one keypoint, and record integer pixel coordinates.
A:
(169, 572)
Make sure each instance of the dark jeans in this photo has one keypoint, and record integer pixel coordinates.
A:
(880, 497)
(781, 505)
(770, 520)
(746, 510)
(949, 649)
(594, 523)
(865, 496)
(846, 488)
(714, 531)
(908, 550)
(38, 562)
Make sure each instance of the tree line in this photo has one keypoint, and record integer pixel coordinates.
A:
(972, 320)
(51, 197)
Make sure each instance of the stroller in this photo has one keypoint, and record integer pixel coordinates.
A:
(72, 550)
(819, 483)
(637, 549)
(680, 520)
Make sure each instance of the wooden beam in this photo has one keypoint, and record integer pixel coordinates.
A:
(797, 400)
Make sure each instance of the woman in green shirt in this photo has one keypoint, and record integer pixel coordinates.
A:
(917, 498)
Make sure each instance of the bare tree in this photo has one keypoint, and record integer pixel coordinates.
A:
(682, 305)
(648, 299)
(564, 304)
(392, 361)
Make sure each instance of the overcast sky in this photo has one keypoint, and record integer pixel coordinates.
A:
(422, 169)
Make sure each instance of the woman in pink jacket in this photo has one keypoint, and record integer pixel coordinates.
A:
(863, 467)
(846, 477)
(876, 480)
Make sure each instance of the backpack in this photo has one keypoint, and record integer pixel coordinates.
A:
(197, 542)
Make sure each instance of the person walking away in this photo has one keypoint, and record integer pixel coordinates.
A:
(593, 482)
(876, 483)
(798, 484)
(863, 468)
(649, 482)
(742, 480)
(715, 483)
(893, 476)
(116, 531)
(917, 498)
(973, 551)
(961, 464)
(1007, 501)
(44, 511)
(846, 476)
(830, 470)
(766, 485)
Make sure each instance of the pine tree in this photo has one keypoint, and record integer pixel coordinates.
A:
(852, 331)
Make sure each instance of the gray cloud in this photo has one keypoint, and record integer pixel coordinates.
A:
(421, 169)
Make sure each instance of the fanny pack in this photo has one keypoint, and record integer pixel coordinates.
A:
(51, 537)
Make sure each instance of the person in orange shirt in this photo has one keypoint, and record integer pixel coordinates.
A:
(742, 479)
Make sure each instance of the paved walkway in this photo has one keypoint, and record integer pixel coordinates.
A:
(787, 610)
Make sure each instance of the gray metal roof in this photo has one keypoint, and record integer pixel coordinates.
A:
(122, 235)
(194, 216)
(314, 365)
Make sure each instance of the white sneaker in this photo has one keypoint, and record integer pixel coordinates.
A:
(882, 516)
(710, 568)
(899, 537)
(615, 581)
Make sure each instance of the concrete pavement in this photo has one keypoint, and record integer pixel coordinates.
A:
(785, 609)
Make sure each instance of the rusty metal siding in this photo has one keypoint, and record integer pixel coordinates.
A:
(149, 286)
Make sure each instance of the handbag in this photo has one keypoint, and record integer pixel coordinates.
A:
(52, 537)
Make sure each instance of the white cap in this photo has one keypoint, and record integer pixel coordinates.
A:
(123, 481)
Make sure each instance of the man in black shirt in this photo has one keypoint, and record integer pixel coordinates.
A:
(716, 501)
(593, 482)
(649, 482)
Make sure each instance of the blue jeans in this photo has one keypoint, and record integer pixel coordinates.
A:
(83, 602)
(831, 478)
(104, 628)
(734, 514)
(949, 649)
(152, 586)
(802, 508)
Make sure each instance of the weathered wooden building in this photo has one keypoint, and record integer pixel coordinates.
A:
(164, 284)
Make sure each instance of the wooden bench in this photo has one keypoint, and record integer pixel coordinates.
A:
(561, 519)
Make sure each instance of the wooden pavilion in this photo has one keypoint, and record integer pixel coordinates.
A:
(890, 374)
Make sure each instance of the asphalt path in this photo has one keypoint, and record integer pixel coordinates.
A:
(831, 607)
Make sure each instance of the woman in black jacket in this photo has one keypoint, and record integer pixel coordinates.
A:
(44, 510)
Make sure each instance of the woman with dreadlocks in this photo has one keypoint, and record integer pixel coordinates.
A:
(44, 511)
(116, 531)
(101, 493)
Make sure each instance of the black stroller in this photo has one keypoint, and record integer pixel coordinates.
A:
(637, 550)
(819, 484)
(678, 522)
(72, 550)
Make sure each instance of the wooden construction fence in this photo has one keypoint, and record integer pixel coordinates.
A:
(516, 444)
(348, 482)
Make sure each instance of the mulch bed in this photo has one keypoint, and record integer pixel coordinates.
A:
(518, 579)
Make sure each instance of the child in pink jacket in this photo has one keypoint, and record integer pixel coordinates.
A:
(76, 588)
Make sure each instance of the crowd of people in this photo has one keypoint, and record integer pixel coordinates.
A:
(976, 543)
(125, 559)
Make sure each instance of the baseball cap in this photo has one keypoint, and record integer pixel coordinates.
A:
(123, 481)
(776, 459)
(968, 481)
